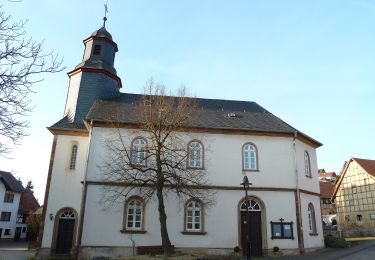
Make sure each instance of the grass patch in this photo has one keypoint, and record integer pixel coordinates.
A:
(351, 239)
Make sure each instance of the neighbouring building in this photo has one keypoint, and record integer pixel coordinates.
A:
(327, 206)
(355, 198)
(242, 137)
(327, 176)
(11, 225)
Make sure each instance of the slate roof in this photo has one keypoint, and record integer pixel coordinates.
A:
(102, 32)
(97, 63)
(11, 183)
(213, 115)
(65, 123)
(28, 202)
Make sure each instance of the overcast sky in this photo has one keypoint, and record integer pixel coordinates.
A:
(311, 63)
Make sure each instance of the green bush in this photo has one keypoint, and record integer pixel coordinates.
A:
(336, 242)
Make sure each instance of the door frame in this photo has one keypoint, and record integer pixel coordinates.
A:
(56, 227)
(263, 220)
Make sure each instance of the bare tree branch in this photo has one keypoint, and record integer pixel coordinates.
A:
(22, 61)
(162, 122)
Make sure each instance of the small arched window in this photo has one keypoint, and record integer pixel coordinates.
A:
(138, 151)
(250, 157)
(311, 218)
(195, 155)
(193, 216)
(134, 211)
(73, 157)
(307, 164)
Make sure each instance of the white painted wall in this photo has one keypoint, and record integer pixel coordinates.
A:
(9, 207)
(66, 187)
(221, 221)
(311, 241)
(223, 158)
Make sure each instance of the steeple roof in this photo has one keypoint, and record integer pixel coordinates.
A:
(102, 32)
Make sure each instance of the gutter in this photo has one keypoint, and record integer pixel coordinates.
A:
(298, 199)
(83, 198)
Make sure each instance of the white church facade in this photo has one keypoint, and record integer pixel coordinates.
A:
(236, 138)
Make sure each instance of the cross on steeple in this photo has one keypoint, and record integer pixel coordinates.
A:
(105, 13)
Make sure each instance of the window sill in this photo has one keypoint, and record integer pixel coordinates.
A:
(199, 233)
(308, 176)
(282, 238)
(194, 168)
(250, 170)
(313, 234)
(127, 231)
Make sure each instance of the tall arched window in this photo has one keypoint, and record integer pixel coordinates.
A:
(195, 154)
(138, 151)
(73, 157)
(307, 164)
(311, 218)
(250, 157)
(134, 214)
(194, 216)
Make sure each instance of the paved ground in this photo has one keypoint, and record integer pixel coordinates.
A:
(363, 251)
(15, 251)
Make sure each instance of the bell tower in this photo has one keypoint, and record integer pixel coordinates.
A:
(94, 78)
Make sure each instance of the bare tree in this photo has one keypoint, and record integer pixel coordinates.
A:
(21, 63)
(160, 167)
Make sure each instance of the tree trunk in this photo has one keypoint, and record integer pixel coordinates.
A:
(163, 224)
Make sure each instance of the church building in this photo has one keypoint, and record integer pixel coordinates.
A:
(236, 139)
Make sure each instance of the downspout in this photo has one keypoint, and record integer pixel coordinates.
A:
(83, 198)
(298, 200)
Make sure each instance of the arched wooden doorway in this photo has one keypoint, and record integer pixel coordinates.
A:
(65, 223)
(256, 225)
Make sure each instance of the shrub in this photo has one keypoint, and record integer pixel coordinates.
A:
(276, 249)
(336, 242)
(236, 249)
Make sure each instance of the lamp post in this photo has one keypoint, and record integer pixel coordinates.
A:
(246, 184)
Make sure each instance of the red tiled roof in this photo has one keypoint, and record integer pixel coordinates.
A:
(28, 202)
(326, 189)
(367, 165)
(327, 174)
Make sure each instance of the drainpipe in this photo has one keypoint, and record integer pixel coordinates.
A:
(83, 198)
(298, 200)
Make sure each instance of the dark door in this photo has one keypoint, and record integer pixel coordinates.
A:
(1, 232)
(65, 236)
(17, 234)
(255, 233)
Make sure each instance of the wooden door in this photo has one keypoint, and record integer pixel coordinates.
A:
(17, 234)
(65, 236)
(255, 233)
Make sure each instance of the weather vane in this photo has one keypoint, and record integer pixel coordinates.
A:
(105, 12)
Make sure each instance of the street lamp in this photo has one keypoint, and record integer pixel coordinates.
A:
(246, 184)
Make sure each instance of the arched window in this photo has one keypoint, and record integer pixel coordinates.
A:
(195, 155)
(73, 157)
(311, 218)
(249, 157)
(307, 164)
(251, 204)
(138, 151)
(134, 214)
(67, 214)
(193, 216)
